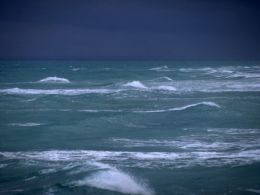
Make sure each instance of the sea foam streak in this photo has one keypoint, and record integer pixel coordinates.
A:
(19, 91)
(210, 104)
(111, 178)
(54, 80)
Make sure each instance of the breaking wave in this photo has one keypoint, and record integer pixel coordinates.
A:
(54, 80)
(210, 104)
(135, 84)
(113, 179)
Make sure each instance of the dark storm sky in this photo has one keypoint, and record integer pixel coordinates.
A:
(130, 29)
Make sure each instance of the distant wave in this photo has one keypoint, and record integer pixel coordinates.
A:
(227, 72)
(210, 104)
(54, 80)
(161, 68)
(135, 84)
(19, 91)
(3, 165)
(25, 124)
(185, 143)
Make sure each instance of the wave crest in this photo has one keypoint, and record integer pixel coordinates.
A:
(54, 80)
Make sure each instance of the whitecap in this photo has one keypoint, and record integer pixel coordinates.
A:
(75, 69)
(135, 84)
(116, 180)
(163, 78)
(48, 171)
(210, 104)
(3, 165)
(54, 80)
(30, 178)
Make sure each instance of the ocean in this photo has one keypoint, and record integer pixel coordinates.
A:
(129, 127)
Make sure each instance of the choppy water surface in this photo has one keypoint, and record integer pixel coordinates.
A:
(75, 127)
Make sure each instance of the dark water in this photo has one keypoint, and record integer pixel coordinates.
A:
(74, 127)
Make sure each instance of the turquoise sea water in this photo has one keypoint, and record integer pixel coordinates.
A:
(86, 127)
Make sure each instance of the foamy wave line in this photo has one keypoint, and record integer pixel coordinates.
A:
(19, 91)
(140, 86)
(54, 80)
(144, 159)
(198, 143)
(210, 104)
(25, 124)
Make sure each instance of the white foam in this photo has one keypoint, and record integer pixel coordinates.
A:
(54, 80)
(144, 159)
(166, 87)
(25, 124)
(3, 165)
(257, 191)
(114, 179)
(210, 104)
(19, 91)
(234, 131)
(244, 75)
(184, 143)
(135, 84)
(163, 78)
(48, 171)
(75, 69)
(166, 78)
